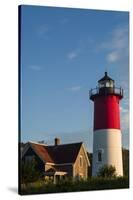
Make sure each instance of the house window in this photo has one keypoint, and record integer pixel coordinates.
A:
(99, 156)
(81, 161)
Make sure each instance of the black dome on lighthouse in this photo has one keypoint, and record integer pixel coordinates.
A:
(106, 86)
(106, 78)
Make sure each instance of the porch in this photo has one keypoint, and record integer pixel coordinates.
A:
(54, 175)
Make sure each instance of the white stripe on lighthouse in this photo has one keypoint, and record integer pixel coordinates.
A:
(107, 142)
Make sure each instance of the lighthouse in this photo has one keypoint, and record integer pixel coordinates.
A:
(107, 148)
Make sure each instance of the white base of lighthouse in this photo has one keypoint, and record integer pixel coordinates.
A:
(107, 149)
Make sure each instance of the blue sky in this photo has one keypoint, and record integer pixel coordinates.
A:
(63, 53)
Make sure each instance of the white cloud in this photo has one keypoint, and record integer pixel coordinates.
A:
(75, 88)
(43, 29)
(120, 38)
(124, 117)
(35, 67)
(43, 32)
(123, 110)
(117, 45)
(83, 45)
(113, 56)
(72, 55)
(125, 121)
(64, 21)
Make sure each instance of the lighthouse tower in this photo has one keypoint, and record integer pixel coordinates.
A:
(107, 148)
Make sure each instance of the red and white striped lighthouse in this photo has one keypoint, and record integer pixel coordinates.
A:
(107, 148)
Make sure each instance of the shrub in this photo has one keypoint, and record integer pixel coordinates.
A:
(29, 172)
(95, 183)
(107, 171)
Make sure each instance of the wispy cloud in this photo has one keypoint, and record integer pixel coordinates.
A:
(64, 21)
(74, 88)
(117, 45)
(76, 52)
(113, 56)
(124, 110)
(35, 67)
(125, 121)
(124, 117)
(72, 55)
(83, 45)
(43, 29)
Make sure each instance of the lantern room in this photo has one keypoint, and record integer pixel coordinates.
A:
(106, 86)
(106, 81)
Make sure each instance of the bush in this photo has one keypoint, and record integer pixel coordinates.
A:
(95, 183)
(29, 172)
(107, 171)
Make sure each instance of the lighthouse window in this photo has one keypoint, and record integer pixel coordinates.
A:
(102, 85)
(111, 84)
(99, 156)
(107, 84)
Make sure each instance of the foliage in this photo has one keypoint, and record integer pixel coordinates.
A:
(95, 183)
(125, 155)
(90, 167)
(107, 171)
(29, 172)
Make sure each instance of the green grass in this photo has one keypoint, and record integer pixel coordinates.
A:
(97, 183)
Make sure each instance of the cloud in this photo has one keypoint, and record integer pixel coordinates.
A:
(125, 121)
(64, 21)
(125, 125)
(43, 32)
(124, 117)
(43, 29)
(74, 88)
(117, 46)
(72, 55)
(124, 110)
(35, 67)
(83, 45)
(120, 37)
(113, 56)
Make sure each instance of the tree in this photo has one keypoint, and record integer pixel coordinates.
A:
(90, 167)
(125, 155)
(107, 171)
(29, 171)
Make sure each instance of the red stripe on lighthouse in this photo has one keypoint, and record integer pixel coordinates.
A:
(106, 112)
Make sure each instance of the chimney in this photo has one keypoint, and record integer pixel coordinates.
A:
(57, 141)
